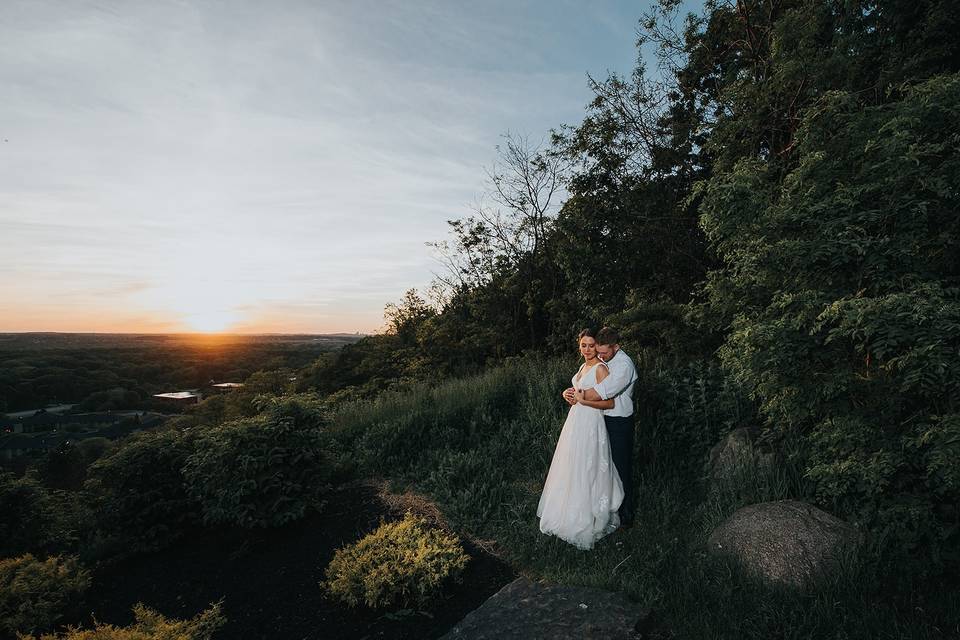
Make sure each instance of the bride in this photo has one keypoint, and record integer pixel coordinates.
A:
(583, 490)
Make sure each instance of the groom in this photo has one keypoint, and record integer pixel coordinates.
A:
(619, 420)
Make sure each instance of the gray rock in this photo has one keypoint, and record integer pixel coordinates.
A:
(784, 542)
(525, 610)
(730, 456)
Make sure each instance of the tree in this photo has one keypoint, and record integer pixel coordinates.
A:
(829, 206)
(512, 224)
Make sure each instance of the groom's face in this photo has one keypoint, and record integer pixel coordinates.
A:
(607, 351)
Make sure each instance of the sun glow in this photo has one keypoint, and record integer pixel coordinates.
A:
(200, 305)
(211, 320)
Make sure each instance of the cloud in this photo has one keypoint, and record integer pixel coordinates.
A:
(297, 154)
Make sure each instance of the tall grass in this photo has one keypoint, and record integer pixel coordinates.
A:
(480, 447)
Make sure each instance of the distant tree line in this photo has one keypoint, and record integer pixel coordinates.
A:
(120, 372)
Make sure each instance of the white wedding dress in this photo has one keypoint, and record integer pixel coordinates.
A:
(583, 491)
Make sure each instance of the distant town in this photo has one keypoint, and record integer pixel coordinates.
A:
(35, 432)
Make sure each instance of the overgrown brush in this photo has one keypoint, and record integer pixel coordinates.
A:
(35, 594)
(137, 495)
(148, 625)
(487, 471)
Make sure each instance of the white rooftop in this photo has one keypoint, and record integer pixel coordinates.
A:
(176, 395)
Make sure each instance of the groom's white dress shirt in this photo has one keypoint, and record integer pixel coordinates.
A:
(619, 385)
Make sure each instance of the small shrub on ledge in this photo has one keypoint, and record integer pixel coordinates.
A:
(400, 564)
(148, 625)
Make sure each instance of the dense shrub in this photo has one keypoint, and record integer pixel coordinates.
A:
(24, 515)
(66, 466)
(682, 411)
(137, 492)
(841, 284)
(401, 563)
(34, 594)
(149, 625)
(263, 471)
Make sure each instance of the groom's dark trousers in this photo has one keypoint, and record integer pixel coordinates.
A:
(620, 433)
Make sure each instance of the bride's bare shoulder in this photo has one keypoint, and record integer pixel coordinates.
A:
(602, 371)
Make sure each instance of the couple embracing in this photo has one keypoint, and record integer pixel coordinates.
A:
(589, 488)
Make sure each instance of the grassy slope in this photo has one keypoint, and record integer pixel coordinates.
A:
(481, 446)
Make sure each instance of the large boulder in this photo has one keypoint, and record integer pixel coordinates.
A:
(784, 542)
(525, 610)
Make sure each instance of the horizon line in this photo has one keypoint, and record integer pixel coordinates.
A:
(181, 333)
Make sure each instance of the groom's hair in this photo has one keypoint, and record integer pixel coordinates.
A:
(608, 335)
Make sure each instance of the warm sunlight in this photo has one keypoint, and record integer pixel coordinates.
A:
(201, 303)
(211, 320)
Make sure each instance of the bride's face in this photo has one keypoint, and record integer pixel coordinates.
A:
(588, 348)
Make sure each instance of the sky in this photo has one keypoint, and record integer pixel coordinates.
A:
(260, 167)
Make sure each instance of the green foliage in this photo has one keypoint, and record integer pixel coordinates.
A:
(36, 519)
(263, 471)
(34, 594)
(137, 493)
(24, 515)
(110, 400)
(848, 327)
(401, 563)
(66, 466)
(148, 625)
(490, 488)
(684, 410)
(85, 367)
(464, 442)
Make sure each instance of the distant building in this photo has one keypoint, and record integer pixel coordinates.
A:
(41, 421)
(110, 426)
(17, 445)
(226, 386)
(179, 397)
(10, 426)
(44, 421)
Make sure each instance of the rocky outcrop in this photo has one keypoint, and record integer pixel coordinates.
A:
(785, 542)
(530, 610)
(732, 454)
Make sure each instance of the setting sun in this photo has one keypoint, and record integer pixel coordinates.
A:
(211, 320)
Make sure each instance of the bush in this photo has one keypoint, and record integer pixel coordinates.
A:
(684, 410)
(149, 625)
(840, 288)
(34, 594)
(262, 471)
(66, 466)
(399, 564)
(24, 508)
(137, 492)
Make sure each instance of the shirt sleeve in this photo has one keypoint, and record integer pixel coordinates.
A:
(621, 375)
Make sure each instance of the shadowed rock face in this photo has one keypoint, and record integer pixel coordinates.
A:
(730, 454)
(785, 542)
(527, 610)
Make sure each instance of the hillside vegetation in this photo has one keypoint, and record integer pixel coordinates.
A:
(770, 218)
